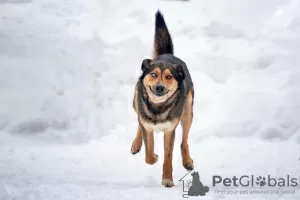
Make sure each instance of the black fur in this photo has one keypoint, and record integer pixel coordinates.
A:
(152, 112)
(173, 107)
(163, 40)
(145, 64)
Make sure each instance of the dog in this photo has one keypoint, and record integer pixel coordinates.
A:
(163, 97)
(197, 188)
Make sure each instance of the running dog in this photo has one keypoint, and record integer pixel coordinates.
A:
(164, 96)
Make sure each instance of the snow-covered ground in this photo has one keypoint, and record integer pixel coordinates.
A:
(67, 75)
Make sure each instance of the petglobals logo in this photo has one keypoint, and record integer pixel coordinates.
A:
(254, 181)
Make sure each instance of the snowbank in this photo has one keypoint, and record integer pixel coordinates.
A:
(67, 75)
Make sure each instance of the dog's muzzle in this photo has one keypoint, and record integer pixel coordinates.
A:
(159, 90)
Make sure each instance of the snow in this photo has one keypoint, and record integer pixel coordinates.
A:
(67, 76)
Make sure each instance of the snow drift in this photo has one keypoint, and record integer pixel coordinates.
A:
(67, 75)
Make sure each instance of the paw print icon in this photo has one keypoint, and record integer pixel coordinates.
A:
(261, 181)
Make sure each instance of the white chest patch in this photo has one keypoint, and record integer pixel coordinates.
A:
(159, 127)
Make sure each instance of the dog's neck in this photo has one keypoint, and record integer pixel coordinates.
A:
(159, 112)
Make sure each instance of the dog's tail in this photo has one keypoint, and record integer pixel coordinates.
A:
(162, 39)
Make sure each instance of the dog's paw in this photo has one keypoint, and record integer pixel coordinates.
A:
(167, 183)
(152, 160)
(136, 147)
(188, 164)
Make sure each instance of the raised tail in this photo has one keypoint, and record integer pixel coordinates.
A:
(162, 39)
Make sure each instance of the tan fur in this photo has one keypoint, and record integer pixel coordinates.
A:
(171, 84)
(186, 122)
(135, 105)
(138, 141)
(146, 134)
(169, 138)
(150, 158)
(151, 121)
(170, 126)
(150, 82)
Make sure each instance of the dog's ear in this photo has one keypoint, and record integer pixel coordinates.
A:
(145, 64)
(180, 71)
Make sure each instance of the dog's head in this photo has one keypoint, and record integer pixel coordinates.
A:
(161, 79)
(195, 175)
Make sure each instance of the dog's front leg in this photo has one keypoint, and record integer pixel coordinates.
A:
(151, 158)
(138, 142)
(186, 123)
(169, 138)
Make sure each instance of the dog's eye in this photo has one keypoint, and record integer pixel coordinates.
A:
(153, 75)
(169, 77)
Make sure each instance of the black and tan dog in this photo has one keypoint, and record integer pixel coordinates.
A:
(164, 96)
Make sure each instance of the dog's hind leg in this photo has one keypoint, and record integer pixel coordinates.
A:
(167, 178)
(150, 157)
(138, 142)
(186, 122)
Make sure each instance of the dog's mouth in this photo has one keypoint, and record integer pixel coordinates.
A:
(160, 94)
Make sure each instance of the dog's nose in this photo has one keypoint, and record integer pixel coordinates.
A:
(160, 89)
